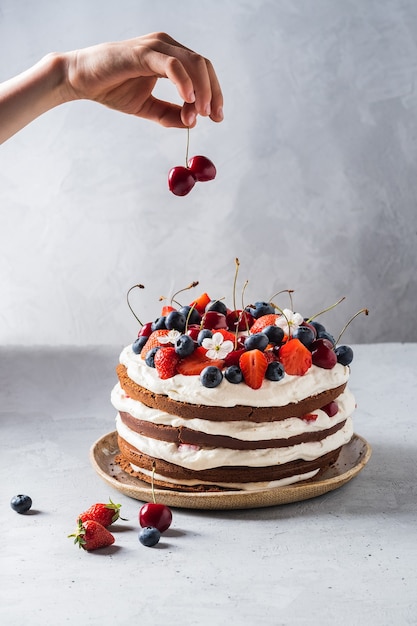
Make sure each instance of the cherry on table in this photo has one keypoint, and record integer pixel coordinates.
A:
(155, 515)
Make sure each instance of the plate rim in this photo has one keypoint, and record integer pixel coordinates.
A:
(233, 499)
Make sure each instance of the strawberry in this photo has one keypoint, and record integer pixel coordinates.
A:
(104, 514)
(233, 357)
(153, 341)
(226, 334)
(166, 361)
(201, 303)
(295, 357)
(194, 364)
(166, 309)
(309, 417)
(264, 321)
(253, 364)
(91, 535)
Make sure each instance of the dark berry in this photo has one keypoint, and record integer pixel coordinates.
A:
(138, 344)
(304, 334)
(21, 503)
(150, 356)
(344, 355)
(217, 305)
(261, 308)
(184, 346)
(159, 323)
(275, 334)
(258, 341)
(175, 321)
(204, 334)
(233, 374)
(275, 371)
(192, 317)
(211, 376)
(149, 536)
(319, 327)
(323, 334)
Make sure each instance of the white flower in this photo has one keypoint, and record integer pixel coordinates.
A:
(217, 347)
(170, 337)
(289, 321)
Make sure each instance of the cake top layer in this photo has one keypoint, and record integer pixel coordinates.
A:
(262, 354)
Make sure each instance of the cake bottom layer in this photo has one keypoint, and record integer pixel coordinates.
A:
(168, 475)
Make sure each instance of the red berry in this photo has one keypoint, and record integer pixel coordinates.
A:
(323, 356)
(194, 364)
(295, 357)
(241, 319)
(104, 514)
(262, 322)
(253, 364)
(201, 303)
(213, 320)
(91, 535)
(146, 330)
(155, 515)
(166, 361)
(180, 180)
(202, 168)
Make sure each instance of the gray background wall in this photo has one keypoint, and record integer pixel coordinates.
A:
(316, 187)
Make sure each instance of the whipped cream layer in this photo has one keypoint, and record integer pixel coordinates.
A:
(244, 430)
(272, 393)
(283, 482)
(194, 458)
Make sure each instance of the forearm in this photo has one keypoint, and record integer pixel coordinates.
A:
(32, 93)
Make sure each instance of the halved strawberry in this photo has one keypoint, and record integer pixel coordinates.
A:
(264, 321)
(226, 334)
(201, 302)
(194, 364)
(166, 309)
(295, 357)
(253, 364)
(153, 341)
(309, 417)
(166, 361)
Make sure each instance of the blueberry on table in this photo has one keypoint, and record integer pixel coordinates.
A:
(21, 503)
(149, 536)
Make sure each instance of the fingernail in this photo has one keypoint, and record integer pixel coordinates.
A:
(191, 117)
(191, 97)
(207, 109)
(220, 113)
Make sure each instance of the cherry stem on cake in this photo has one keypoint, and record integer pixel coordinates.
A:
(366, 311)
(237, 262)
(289, 291)
(329, 308)
(190, 286)
(139, 286)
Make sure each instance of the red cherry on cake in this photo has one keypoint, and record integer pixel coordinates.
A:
(202, 168)
(180, 180)
(241, 319)
(155, 515)
(146, 330)
(323, 354)
(213, 320)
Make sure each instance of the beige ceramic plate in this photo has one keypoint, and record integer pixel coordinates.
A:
(352, 459)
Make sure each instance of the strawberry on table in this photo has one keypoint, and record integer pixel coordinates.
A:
(91, 535)
(104, 514)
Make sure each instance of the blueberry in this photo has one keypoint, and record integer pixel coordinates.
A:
(138, 344)
(275, 334)
(159, 323)
(305, 335)
(211, 376)
(21, 503)
(233, 374)
(217, 305)
(149, 536)
(319, 327)
(192, 318)
(175, 321)
(204, 334)
(323, 334)
(262, 308)
(275, 371)
(150, 356)
(344, 355)
(258, 341)
(184, 346)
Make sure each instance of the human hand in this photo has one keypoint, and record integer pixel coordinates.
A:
(122, 76)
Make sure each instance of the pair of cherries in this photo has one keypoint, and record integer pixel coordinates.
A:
(181, 179)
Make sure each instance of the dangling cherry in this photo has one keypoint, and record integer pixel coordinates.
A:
(202, 168)
(180, 180)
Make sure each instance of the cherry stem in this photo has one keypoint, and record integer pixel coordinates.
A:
(289, 291)
(284, 316)
(188, 146)
(347, 324)
(190, 286)
(234, 282)
(128, 303)
(329, 308)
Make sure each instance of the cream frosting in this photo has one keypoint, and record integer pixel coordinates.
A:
(245, 430)
(194, 458)
(272, 393)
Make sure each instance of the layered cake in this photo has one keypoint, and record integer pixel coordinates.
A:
(211, 398)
